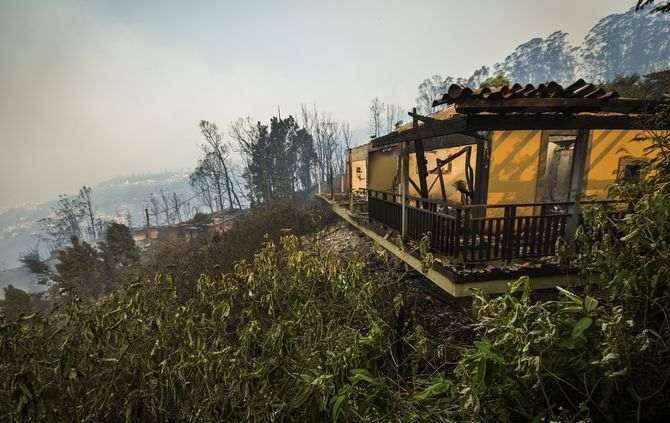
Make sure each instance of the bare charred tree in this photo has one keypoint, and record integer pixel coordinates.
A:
(101, 227)
(214, 145)
(326, 141)
(252, 139)
(310, 117)
(394, 115)
(211, 167)
(345, 130)
(189, 210)
(176, 206)
(85, 197)
(430, 89)
(331, 140)
(64, 223)
(377, 109)
(166, 207)
(238, 179)
(155, 207)
(200, 181)
(128, 219)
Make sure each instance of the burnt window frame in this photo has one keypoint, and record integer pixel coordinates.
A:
(627, 161)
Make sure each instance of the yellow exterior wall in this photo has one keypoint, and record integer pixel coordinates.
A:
(514, 164)
(450, 177)
(606, 149)
(359, 169)
(383, 170)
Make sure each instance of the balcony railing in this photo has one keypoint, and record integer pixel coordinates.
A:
(478, 233)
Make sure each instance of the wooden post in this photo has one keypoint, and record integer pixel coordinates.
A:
(577, 183)
(482, 172)
(351, 183)
(404, 181)
(332, 181)
(508, 233)
(420, 160)
(146, 213)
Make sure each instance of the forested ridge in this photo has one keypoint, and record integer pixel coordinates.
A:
(628, 43)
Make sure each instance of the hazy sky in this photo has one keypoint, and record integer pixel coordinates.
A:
(94, 89)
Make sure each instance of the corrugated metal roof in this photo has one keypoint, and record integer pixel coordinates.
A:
(579, 89)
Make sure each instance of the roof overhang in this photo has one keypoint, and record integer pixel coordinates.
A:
(470, 124)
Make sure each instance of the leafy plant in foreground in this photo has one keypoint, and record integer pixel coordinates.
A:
(288, 336)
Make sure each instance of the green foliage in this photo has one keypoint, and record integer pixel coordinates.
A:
(495, 81)
(119, 248)
(18, 303)
(89, 272)
(628, 257)
(550, 360)
(597, 356)
(653, 86)
(32, 261)
(288, 336)
(427, 258)
(218, 254)
(279, 157)
(79, 271)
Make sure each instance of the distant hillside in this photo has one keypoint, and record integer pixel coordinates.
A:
(18, 226)
(619, 44)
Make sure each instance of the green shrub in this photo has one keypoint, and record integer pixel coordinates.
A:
(288, 336)
(602, 355)
(554, 360)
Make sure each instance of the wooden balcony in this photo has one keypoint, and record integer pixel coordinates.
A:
(481, 233)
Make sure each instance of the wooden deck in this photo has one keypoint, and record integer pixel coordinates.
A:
(482, 233)
(455, 284)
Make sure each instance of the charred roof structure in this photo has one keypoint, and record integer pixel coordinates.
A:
(546, 106)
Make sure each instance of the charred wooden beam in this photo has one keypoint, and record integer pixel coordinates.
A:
(447, 141)
(421, 162)
(437, 129)
(467, 124)
(411, 182)
(482, 171)
(591, 101)
(422, 118)
(554, 121)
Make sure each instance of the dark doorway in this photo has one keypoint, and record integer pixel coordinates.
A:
(556, 171)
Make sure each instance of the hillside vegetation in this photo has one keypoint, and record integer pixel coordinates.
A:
(295, 333)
